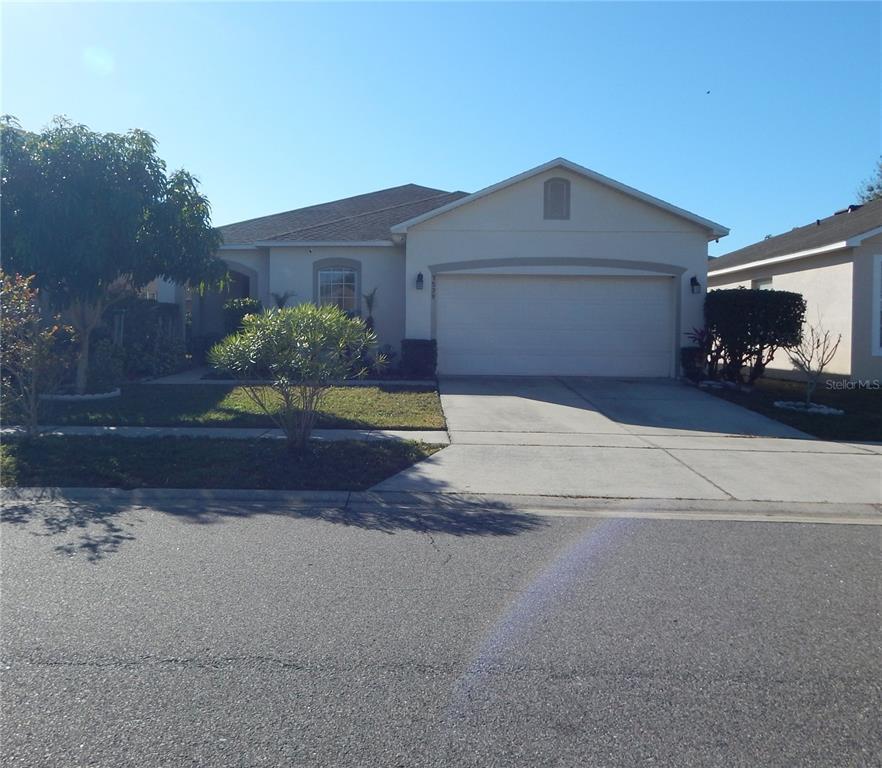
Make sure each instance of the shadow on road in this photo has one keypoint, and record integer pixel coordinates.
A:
(454, 519)
(98, 529)
(100, 533)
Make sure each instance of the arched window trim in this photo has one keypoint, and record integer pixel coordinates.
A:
(553, 209)
(321, 265)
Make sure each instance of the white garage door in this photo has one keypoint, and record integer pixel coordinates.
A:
(530, 325)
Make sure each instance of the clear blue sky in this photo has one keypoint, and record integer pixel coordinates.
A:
(275, 106)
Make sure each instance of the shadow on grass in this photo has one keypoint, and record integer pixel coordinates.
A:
(97, 529)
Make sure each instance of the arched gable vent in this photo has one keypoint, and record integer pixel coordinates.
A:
(557, 198)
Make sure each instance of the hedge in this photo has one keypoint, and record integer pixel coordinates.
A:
(746, 327)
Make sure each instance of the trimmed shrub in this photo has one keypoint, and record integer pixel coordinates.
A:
(747, 327)
(692, 361)
(152, 338)
(419, 358)
(149, 333)
(236, 309)
(199, 346)
(106, 367)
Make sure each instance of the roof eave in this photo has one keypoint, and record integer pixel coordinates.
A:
(842, 245)
(856, 240)
(309, 243)
(852, 242)
(325, 243)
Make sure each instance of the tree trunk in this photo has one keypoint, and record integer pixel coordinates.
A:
(32, 397)
(83, 360)
(84, 318)
(809, 391)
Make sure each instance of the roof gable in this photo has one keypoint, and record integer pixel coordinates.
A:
(714, 230)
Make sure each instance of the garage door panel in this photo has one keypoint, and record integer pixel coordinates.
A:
(537, 365)
(575, 340)
(542, 325)
(553, 315)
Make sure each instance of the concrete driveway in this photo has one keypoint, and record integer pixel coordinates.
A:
(631, 439)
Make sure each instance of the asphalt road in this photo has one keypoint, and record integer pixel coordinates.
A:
(245, 636)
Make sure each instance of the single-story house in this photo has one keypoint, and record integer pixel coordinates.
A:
(555, 271)
(836, 264)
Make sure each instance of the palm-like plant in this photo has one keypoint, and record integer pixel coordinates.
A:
(281, 299)
(370, 299)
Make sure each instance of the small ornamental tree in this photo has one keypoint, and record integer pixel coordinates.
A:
(301, 350)
(812, 355)
(94, 217)
(748, 326)
(32, 348)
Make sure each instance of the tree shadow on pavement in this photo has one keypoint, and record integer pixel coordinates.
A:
(454, 518)
(98, 528)
(100, 533)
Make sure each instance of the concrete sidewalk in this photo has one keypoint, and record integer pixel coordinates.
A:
(435, 437)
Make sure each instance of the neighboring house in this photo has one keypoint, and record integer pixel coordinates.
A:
(556, 271)
(836, 264)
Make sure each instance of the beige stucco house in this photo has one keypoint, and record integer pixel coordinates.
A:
(836, 264)
(556, 271)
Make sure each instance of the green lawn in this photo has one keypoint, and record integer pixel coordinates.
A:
(173, 462)
(863, 409)
(218, 405)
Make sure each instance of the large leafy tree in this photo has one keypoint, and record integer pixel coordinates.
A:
(871, 189)
(95, 216)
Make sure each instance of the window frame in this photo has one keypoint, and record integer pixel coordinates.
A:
(337, 265)
(546, 199)
(769, 284)
(876, 304)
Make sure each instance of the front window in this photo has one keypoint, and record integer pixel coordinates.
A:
(763, 284)
(337, 286)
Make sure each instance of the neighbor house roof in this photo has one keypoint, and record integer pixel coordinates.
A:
(360, 218)
(714, 230)
(844, 229)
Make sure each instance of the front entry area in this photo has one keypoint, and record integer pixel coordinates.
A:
(545, 325)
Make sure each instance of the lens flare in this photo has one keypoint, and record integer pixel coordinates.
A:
(529, 609)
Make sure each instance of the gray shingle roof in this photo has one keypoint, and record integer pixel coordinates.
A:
(372, 225)
(833, 229)
(363, 217)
